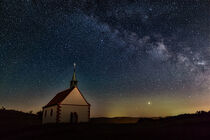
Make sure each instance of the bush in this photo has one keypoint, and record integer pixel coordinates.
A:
(39, 114)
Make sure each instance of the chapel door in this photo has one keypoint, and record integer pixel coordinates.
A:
(75, 117)
(71, 117)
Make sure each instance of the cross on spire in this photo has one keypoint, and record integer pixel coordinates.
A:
(74, 66)
(74, 80)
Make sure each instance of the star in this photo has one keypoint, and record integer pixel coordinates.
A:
(149, 102)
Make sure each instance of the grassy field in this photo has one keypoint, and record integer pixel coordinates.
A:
(19, 125)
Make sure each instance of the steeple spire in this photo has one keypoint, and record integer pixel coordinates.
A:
(74, 80)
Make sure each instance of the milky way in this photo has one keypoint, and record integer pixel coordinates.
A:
(129, 53)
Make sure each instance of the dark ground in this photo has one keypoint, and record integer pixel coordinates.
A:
(18, 125)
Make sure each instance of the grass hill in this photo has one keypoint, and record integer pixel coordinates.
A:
(9, 118)
(20, 125)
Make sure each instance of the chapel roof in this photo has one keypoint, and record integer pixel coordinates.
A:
(61, 96)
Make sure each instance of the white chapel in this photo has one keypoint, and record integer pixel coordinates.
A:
(68, 106)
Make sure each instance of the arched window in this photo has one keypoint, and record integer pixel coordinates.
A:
(45, 114)
(51, 112)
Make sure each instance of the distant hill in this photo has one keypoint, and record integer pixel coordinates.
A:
(198, 117)
(115, 120)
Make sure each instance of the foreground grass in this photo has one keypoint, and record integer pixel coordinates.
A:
(28, 126)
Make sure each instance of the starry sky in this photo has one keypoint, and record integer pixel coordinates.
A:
(143, 58)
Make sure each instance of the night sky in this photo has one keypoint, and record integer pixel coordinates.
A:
(134, 58)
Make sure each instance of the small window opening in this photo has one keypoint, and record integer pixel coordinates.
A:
(45, 114)
(51, 112)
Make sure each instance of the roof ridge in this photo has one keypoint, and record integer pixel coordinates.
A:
(64, 90)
